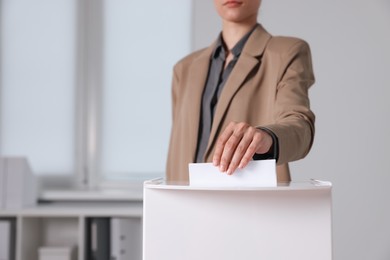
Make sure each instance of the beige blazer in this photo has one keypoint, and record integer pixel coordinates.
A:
(268, 87)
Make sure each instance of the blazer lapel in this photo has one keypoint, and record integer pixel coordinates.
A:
(197, 78)
(248, 60)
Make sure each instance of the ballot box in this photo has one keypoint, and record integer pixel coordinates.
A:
(286, 222)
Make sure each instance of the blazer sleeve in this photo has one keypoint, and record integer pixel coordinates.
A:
(293, 120)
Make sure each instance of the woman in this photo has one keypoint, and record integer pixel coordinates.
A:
(244, 97)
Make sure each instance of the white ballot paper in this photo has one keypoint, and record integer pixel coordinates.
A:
(259, 173)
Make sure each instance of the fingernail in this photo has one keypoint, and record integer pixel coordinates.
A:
(229, 172)
(215, 163)
(222, 168)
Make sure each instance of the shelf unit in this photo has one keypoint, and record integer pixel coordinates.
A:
(64, 224)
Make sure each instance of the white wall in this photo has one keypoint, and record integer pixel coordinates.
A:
(350, 42)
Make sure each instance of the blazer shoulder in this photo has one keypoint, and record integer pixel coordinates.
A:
(284, 44)
(188, 59)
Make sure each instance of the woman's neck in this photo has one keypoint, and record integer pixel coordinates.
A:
(233, 32)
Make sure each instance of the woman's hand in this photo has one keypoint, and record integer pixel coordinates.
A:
(237, 144)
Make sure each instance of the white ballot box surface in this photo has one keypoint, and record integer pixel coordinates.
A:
(291, 221)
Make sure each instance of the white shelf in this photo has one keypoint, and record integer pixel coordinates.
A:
(78, 210)
(93, 195)
(64, 224)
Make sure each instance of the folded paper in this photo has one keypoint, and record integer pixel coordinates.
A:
(260, 173)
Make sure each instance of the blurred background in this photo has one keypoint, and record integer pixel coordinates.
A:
(85, 96)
